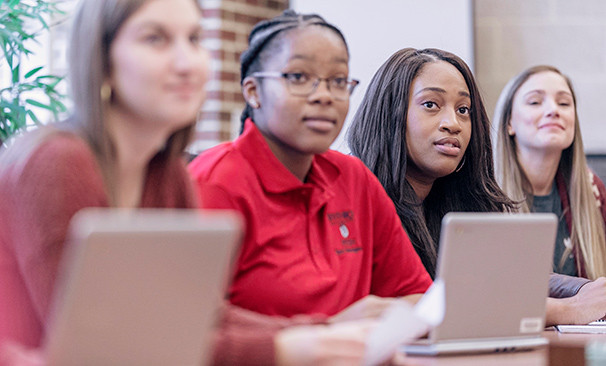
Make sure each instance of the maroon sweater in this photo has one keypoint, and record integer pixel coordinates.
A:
(37, 201)
(599, 192)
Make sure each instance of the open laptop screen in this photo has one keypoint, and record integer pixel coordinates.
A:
(141, 287)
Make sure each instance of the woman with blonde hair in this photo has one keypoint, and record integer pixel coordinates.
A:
(138, 72)
(540, 162)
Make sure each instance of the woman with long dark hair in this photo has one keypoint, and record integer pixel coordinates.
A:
(423, 130)
(456, 174)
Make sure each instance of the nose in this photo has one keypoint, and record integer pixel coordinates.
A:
(321, 92)
(450, 123)
(552, 108)
(183, 56)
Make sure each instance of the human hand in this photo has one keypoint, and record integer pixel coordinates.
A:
(590, 301)
(13, 354)
(588, 305)
(368, 307)
(333, 344)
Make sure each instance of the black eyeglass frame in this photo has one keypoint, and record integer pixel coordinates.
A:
(351, 83)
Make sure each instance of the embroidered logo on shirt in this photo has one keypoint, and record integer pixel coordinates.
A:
(340, 221)
(344, 230)
(340, 217)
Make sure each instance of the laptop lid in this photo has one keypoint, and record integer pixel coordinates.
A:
(141, 287)
(495, 268)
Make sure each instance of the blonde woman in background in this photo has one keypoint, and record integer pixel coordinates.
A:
(540, 163)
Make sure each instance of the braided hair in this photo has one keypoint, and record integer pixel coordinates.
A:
(263, 38)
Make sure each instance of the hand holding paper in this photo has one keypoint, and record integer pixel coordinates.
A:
(401, 323)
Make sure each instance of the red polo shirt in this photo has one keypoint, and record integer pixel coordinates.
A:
(313, 247)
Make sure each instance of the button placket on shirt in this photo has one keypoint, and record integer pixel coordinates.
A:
(316, 199)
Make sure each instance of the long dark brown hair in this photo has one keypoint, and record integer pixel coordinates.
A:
(377, 136)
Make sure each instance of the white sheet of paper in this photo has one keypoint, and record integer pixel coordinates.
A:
(432, 306)
(401, 323)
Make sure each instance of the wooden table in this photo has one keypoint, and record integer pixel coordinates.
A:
(537, 357)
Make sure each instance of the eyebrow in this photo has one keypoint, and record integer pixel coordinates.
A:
(298, 56)
(540, 91)
(156, 25)
(442, 91)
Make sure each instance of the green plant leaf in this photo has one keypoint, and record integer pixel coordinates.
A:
(60, 106)
(49, 80)
(38, 104)
(32, 115)
(49, 77)
(42, 21)
(32, 72)
(22, 21)
(15, 74)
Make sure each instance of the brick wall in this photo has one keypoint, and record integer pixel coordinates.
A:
(512, 35)
(227, 24)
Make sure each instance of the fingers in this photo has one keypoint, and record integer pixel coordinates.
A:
(343, 344)
(367, 307)
(589, 304)
(336, 344)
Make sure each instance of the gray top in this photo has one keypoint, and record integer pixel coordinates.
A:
(552, 203)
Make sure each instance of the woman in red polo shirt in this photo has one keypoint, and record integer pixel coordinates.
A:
(322, 233)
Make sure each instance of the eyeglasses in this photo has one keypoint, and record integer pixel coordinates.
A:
(303, 85)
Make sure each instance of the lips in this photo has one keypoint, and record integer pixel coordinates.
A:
(184, 88)
(448, 146)
(552, 125)
(319, 118)
(320, 123)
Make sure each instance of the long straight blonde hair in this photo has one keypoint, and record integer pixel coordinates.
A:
(587, 230)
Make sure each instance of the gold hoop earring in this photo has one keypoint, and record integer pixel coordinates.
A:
(461, 164)
(106, 93)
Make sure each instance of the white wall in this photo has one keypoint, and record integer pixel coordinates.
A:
(376, 29)
(571, 35)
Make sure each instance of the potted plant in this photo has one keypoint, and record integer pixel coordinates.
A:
(21, 22)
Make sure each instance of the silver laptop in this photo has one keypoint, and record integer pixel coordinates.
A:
(495, 268)
(141, 287)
